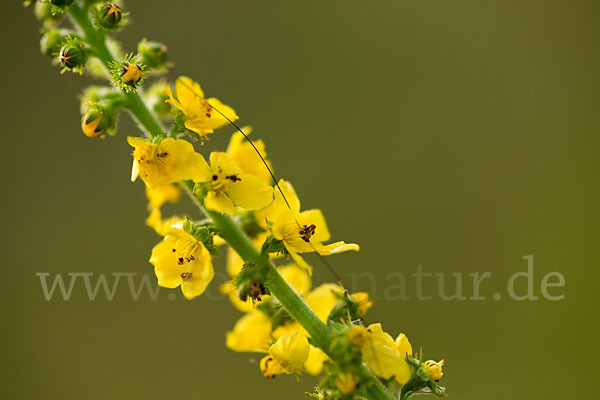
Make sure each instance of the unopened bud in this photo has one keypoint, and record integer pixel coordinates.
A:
(96, 123)
(108, 16)
(43, 12)
(154, 54)
(73, 54)
(131, 73)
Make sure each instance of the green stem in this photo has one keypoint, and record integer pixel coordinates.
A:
(320, 333)
(228, 228)
(97, 43)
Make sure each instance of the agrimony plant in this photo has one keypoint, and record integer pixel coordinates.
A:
(249, 215)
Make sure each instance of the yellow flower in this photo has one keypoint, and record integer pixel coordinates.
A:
(251, 333)
(181, 260)
(403, 346)
(241, 151)
(201, 116)
(231, 187)
(170, 161)
(346, 382)
(434, 369)
(301, 232)
(379, 352)
(290, 352)
(159, 195)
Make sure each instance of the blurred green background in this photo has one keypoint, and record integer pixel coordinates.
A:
(457, 135)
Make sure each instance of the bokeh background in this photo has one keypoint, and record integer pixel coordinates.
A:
(457, 135)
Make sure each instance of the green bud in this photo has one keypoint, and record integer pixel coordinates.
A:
(108, 17)
(154, 54)
(44, 12)
(159, 105)
(61, 3)
(52, 41)
(73, 54)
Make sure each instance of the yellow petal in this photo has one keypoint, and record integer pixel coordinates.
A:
(403, 346)
(201, 271)
(159, 195)
(218, 202)
(250, 193)
(166, 268)
(322, 299)
(315, 361)
(221, 164)
(199, 126)
(188, 92)
(224, 109)
(251, 333)
(337, 247)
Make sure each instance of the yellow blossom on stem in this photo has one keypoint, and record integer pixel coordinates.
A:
(316, 357)
(379, 352)
(301, 232)
(230, 187)
(169, 161)
(200, 115)
(245, 155)
(181, 260)
(290, 352)
(251, 333)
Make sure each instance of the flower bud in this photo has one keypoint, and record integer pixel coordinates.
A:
(290, 352)
(154, 54)
(52, 41)
(44, 12)
(96, 123)
(108, 17)
(73, 54)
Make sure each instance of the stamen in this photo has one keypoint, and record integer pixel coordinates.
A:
(307, 231)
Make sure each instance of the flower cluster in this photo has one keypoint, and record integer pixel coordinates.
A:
(254, 219)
